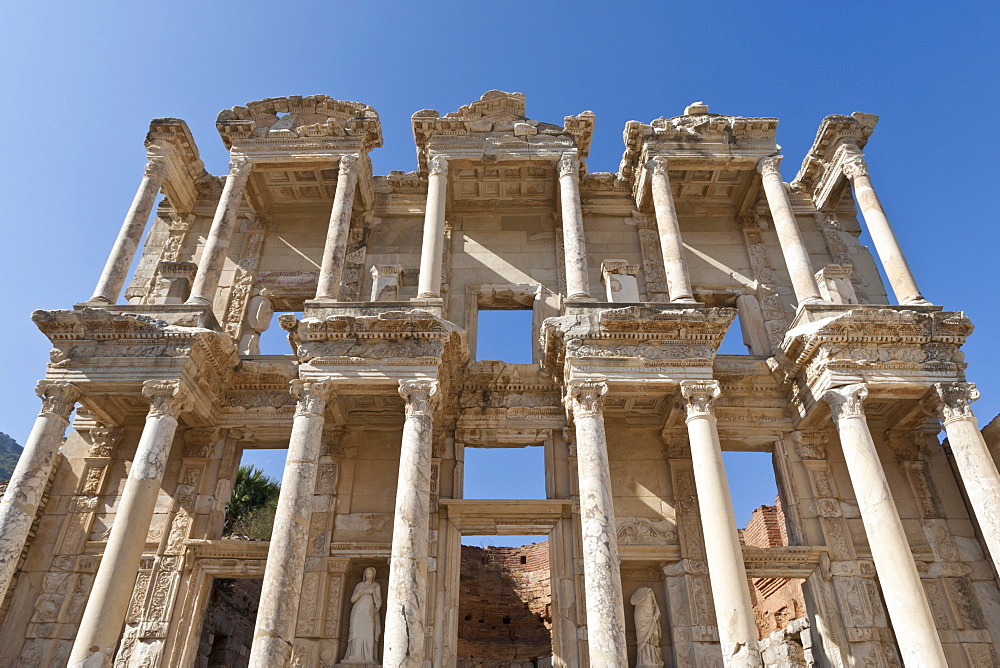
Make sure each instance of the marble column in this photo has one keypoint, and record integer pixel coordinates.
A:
(406, 598)
(889, 253)
(905, 601)
(726, 571)
(669, 228)
(213, 257)
(109, 285)
(107, 605)
(787, 228)
(432, 250)
(601, 567)
(574, 239)
(972, 456)
(274, 629)
(31, 475)
(339, 230)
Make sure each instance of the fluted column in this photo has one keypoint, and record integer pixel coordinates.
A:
(916, 634)
(109, 285)
(339, 230)
(669, 228)
(104, 615)
(31, 475)
(601, 567)
(726, 571)
(213, 257)
(787, 228)
(407, 596)
(429, 284)
(574, 239)
(975, 464)
(889, 253)
(274, 629)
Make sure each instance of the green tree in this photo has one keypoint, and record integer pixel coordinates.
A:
(251, 510)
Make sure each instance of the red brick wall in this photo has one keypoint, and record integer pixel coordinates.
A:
(504, 605)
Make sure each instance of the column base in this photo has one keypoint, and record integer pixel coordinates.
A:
(916, 301)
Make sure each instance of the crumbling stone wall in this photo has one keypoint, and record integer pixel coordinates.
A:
(776, 601)
(228, 629)
(505, 607)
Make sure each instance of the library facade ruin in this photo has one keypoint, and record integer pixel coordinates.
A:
(111, 529)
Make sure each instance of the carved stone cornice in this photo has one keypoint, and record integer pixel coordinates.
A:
(186, 180)
(586, 397)
(167, 398)
(699, 397)
(770, 166)
(952, 401)
(838, 138)
(847, 401)
(58, 397)
(312, 396)
(421, 397)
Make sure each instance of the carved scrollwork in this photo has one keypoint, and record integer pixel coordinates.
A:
(438, 166)
(103, 440)
(58, 397)
(699, 395)
(569, 164)
(811, 445)
(659, 165)
(349, 164)
(770, 166)
(847, 401)
(586, 397)
(312, 396)
(855, 166)
(156, 168)
(421, 397)
(167, 398)
(953, 401)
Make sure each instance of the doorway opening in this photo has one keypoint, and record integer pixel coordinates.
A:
(227, 631)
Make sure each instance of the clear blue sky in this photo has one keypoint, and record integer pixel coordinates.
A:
(82, 81)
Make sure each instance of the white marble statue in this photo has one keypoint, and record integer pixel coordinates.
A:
(366, 629)
(647, 629)
(258, 319)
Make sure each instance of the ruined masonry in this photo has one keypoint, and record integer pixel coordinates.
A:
(111, 539)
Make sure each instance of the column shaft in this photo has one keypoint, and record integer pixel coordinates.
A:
(787, 228)
(213, 257)
(669, 228)
(107, 605)
(972, 456)
(574, 239)
(433, 244)
(109, 285)
(274, 629)
(339, 230)
(905, 601)
(891, 255)
(407, 595)
(726, 571)
(31, 475)
(601, 566)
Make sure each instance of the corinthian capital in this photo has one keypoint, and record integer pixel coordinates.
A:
(156, 168)
(658, 165)
(770, 166)
(312, 395)
(586, 397)
(855, 166)
(569, 164)
(349, 164)
(58, 397)
(167, 398)
(953, 401)
(421, 396)
(438, 166)
(699, 395)
(847, 401)
(239, 167)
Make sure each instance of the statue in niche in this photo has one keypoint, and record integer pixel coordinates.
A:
(258, 319)
(365, 628)
(647, 629)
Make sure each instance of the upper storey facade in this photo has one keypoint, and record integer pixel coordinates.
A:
(502, 213)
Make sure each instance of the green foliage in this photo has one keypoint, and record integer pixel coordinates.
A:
(251, 511)
(9, 453)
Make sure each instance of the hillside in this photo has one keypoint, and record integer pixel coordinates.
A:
(9, 452)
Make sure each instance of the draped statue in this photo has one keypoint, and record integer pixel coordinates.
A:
(366, 628)
(647, 629)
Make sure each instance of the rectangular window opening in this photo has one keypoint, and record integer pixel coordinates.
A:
(504, 473)
(505, 335)
(257, 483)
(733, 343)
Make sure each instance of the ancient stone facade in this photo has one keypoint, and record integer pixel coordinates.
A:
(111, 539)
